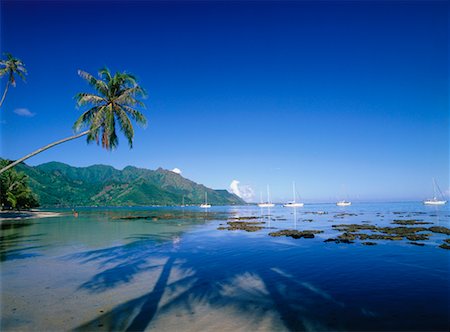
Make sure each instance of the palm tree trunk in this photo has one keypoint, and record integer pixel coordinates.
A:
(4, 93)
(43, 149)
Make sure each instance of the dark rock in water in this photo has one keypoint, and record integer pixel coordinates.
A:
(353, 227)
(244, 218)
(418, 237)
(250, 226)
(440, 229)
(410, 222)
(176, 215)
(347, 236)
(343, 240)
(343, 215)
(384, 237)
(389, 233)
(296, 234)
(316, 212)
(403, 231)
(444, 246)
(136, 217)
(417, 244)
(447, 241)
(308, 220)
(369, 243)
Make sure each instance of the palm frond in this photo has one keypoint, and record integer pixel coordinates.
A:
(125, 125)
(105, 73)
(99, 85)
(88, 98)
(135, 115)
(85, 118)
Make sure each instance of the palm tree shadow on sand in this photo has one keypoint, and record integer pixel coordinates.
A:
(192, 284)
(14, 244)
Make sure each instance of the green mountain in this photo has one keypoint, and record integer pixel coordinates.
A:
(60, 185)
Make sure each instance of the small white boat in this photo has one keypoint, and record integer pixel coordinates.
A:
(268, 203)
(293, 203)
(343, 203)
(205, 205)
(435, 200)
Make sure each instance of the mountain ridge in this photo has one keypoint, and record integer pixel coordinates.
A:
(61, 185)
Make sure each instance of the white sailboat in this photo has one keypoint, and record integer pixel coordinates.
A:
(344, 202)
(268, 203)
(293, 203)
(205, 205)
(435, 200)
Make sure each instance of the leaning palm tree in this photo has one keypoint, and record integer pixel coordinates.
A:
(114, 102)
(11, 67)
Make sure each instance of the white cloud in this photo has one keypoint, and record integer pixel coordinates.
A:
(176, 170)
(24, 112)
(243, 191)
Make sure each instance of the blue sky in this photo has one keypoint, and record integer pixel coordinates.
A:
(344, 98)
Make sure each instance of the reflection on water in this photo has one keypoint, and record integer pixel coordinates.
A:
(171, 269)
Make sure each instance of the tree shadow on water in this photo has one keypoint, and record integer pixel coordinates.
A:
(134, 315)
(247, 289)
(17, 246)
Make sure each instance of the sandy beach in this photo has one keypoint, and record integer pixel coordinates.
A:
(19, 215)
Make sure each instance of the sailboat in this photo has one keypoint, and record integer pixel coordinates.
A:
(435, 200)
(205, 205)
(293, 203)
(344, 202)
(268, 203)
(182, 202)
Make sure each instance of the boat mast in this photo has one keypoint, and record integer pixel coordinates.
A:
(206, 198)
(268, 194)
(293, 189)
(436, 186)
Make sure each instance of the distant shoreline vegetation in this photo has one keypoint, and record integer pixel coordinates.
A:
(60, 185)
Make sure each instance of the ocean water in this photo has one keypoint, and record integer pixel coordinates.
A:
(175, 271)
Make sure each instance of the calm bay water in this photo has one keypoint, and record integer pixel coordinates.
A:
(176, 271)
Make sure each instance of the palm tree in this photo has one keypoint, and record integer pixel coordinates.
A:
(114, 103)
(11, 66)
(14, 190)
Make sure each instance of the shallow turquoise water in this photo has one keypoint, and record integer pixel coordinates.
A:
(178, 272)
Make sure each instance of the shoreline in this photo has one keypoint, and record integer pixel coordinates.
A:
(31, 214)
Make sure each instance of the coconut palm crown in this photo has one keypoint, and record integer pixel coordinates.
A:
(114, 102)
(11, 66)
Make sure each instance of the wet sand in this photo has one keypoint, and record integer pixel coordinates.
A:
(20, 215)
